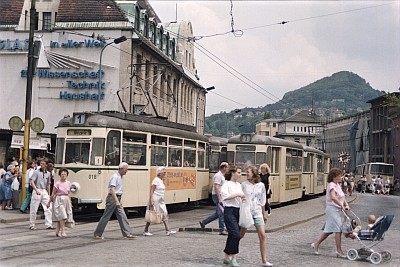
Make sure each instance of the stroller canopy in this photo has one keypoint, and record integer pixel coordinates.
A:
(381, 225)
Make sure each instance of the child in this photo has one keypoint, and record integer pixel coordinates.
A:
(357, 228)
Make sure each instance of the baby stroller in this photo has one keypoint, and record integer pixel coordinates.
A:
(369, 240)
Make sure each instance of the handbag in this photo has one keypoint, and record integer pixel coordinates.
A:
(153, 216)
(245, 217)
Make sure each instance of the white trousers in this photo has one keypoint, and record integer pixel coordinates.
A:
(36, 200)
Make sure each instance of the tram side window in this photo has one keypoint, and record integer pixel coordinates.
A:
(320, 164)
(214, 161)
(59, 150)
(207, 156)
(201, 155)
(175, 152)
(189, 154)
(134, 148)
(113, 148)
(244, 159)
(275, 160)
(293, 160)
(158, 151)
(307, 163)
(97, 155)
(260, 158)
(77, 151)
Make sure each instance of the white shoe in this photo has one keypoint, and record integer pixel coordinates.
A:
(170, 232)
(147, 234)
(267, 264)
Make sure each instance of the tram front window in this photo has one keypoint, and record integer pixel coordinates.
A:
(244, 159)
(77, 151)
(214, 161)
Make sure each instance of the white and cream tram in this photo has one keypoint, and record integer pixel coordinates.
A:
(91, 146)
(217, 155)
(286, 160)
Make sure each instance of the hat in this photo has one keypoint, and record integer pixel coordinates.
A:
(160, 170)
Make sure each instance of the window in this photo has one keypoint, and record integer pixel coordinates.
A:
(201, 155)
(37, 21)
(46, 21)
(158, 150)
(113, 148)
(97, 155)
(134, 148)
(274, 124)
(59, 150)
(260, 158)
(189, 154)
(77, 151)
(175, 152)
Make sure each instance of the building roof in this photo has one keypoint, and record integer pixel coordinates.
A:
(89, 11)
(303, 116)
(10, 12)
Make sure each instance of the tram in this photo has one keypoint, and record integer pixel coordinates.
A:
(286, 159)
(91, 145)
(384, 170)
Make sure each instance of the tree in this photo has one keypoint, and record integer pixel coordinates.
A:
(267, 115)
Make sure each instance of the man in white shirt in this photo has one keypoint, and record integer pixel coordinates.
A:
(113, 205)
(218, 181)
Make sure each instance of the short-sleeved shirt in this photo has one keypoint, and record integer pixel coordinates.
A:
(218, 178)
(160, 187)
(116, 181)
(255, 193)
(63, 188)
(41, 179)
(339, 194)
(229, 188)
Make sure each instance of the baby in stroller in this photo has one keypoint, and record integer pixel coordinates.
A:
(357, 228)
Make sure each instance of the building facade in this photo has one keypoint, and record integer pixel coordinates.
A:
(153, 72)
(268, 127)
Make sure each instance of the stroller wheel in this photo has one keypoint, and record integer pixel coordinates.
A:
(352, 254)
(386, 255)
(375, 258)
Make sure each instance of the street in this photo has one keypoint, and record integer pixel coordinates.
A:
(289, 246)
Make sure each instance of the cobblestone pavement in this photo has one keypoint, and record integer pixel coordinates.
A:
(288, 244)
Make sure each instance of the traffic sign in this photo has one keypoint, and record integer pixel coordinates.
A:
(15, 123)
(37, 124)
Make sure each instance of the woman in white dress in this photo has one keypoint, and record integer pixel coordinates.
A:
(254, 191)
(156, 201)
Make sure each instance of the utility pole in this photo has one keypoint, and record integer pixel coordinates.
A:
(28, 101)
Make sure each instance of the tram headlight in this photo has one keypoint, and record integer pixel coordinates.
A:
(74, 187)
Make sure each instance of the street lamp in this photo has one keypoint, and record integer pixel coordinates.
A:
(116, 41)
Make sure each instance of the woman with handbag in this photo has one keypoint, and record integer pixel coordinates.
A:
(254, 191)
(156, 201)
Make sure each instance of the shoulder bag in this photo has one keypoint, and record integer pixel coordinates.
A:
(153, 216)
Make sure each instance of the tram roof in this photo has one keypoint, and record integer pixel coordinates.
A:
(133, 122)
(314, 150)
(257, 139)
(215, 140)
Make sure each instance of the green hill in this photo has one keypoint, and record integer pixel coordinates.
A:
(343, 93)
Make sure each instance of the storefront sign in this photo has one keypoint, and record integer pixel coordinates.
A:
(77, 44)
(14, 45)
(39, 142)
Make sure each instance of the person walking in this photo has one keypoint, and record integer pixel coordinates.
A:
(62, 207)
(218, 181)
(254, 192)
(335, 203)
(156, 201)
(232, 194)
(113, 205)
(29, 174)
(265, 172)
(40, 183)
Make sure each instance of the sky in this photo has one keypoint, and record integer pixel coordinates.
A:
(266, 59)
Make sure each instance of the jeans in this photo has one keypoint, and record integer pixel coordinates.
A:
(216, 215)
(108, 212)
(231, 215)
